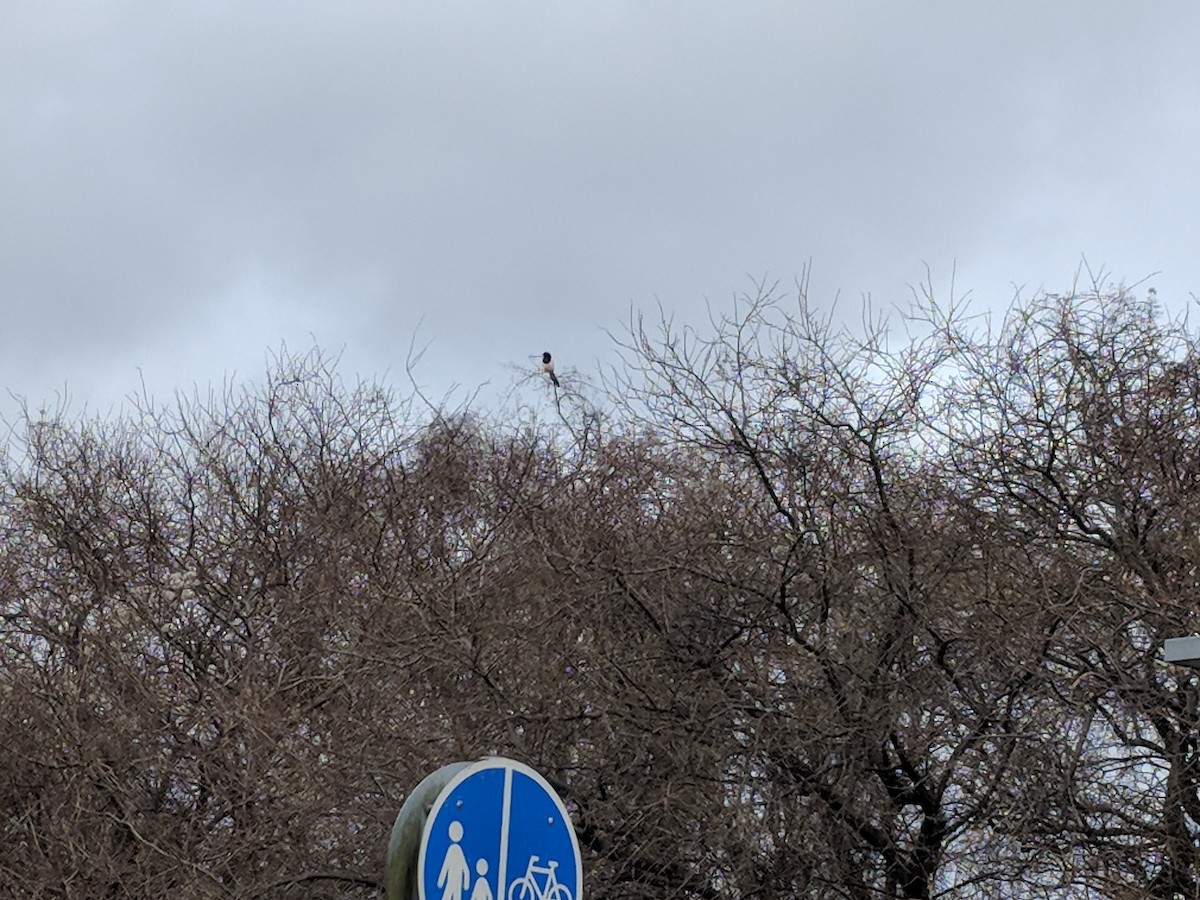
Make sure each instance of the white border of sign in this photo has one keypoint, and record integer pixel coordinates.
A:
(496, 762)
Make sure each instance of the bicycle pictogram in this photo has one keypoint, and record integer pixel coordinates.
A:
(527, 887)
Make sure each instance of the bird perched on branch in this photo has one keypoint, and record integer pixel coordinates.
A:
(548, 368)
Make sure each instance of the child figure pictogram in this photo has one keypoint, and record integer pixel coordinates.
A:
(482, 890)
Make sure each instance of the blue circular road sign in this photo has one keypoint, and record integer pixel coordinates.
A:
(498, 831)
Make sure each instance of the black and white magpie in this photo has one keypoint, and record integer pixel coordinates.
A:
(548, 368)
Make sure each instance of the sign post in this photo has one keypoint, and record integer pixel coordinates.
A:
(498, 831)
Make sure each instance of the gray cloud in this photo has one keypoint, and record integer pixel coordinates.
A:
(185, 186)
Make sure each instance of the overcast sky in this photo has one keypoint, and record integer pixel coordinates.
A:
(184, 186)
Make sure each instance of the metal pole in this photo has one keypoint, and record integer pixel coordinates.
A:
(1183, 651)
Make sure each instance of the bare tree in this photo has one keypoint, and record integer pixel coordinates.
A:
(790, 612)
(1079, 419)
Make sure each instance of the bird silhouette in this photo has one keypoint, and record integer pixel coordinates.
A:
(548, 368)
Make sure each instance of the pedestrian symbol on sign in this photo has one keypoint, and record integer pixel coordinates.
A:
(455, 876)
(498, 831)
